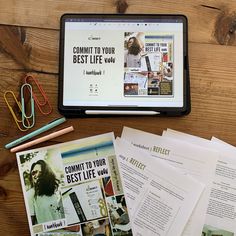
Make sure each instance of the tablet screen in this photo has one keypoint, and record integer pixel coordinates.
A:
(123, 62)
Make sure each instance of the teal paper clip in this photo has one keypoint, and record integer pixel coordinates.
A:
(25, 116)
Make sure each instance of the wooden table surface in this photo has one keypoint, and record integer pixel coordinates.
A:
(29, 39)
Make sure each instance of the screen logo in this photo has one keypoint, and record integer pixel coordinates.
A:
(91, 37)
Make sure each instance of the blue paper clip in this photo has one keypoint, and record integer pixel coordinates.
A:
(17, 120)
(25, 116)
(29, 79)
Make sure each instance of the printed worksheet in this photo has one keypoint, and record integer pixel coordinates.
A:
(221, 212)
(198, 162)
(167, 196)
(226, 145)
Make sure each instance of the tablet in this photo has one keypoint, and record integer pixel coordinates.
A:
(128, 64)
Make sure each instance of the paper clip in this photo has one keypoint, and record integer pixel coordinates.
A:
(24, 116)
(40, 104)
(18, 121)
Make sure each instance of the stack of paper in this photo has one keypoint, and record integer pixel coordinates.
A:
(178, 184)
(139, 184)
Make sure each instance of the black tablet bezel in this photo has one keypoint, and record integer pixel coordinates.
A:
(79, 111)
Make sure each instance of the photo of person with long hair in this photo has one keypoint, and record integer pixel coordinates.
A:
(44, 199)
(132, 56)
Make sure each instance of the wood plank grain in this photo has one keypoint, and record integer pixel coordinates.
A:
(11, 44)
(212, 71)
(38, 51)
(46, 14)
(202, 15)
(13, 219)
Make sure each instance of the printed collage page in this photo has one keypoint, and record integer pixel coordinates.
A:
(74, 187)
